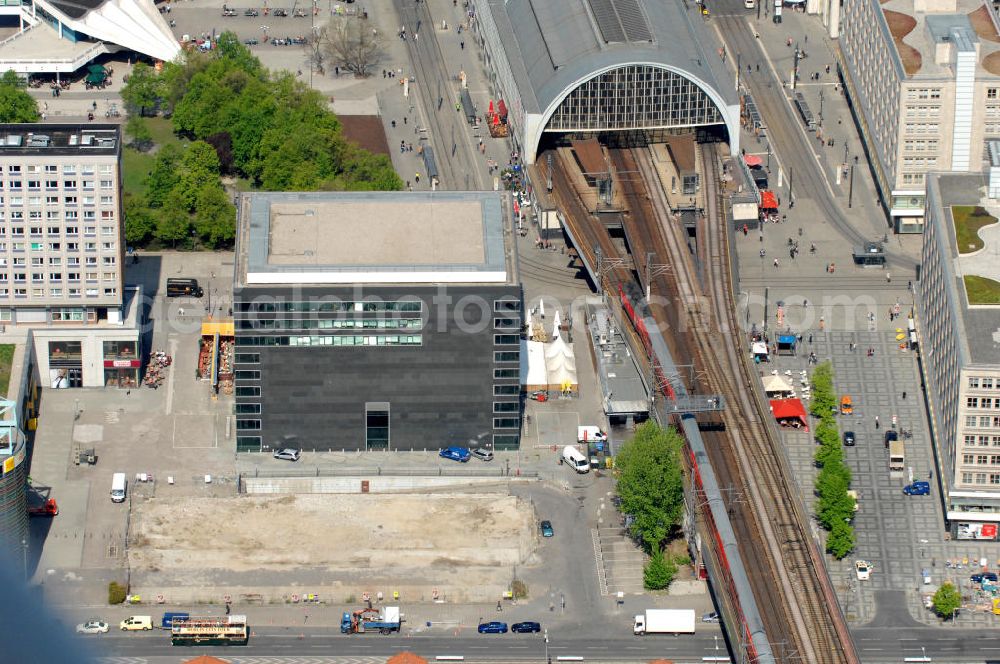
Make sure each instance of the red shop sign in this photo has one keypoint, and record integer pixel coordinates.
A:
(121, 364)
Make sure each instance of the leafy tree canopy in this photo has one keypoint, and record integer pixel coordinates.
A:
(650, 482)
(16, 105)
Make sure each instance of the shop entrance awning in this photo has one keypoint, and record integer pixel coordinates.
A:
(224, 327)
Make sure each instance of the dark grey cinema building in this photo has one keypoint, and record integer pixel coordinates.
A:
(376, 320)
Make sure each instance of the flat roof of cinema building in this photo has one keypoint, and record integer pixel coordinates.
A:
(319, 238)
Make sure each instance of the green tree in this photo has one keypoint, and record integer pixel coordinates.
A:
(215, 216)
(650, 482)
(164, 177)
(199, 166)
(840, 542)
(659, 571)
(173, 223)
(144, 89)
(16, 105)
(142, 137)
(140, 223)
(947, 600)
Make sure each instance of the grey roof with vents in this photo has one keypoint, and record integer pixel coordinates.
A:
(59, 139)
(551, 45)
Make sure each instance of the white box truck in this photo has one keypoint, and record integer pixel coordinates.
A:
(590, 434)
(664, 621)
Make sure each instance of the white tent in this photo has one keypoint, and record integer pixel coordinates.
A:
(776, 387)
(533, 372)
(560, 365)
(555, 325)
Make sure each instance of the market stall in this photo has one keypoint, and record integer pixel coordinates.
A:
(215, 353)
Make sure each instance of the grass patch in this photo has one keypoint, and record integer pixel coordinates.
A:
(162, 131)
(6, 358)
(135, 167)
(981, 290)
(968, 220)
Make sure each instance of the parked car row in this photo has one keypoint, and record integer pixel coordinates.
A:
(463, 454)
(497, 627)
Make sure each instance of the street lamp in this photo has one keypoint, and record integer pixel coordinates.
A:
(547, 659)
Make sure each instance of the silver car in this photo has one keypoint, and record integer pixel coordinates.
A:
(287, 454)
(483, 455)
(92, 627)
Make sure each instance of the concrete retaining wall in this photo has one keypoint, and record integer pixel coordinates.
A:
(376, 484)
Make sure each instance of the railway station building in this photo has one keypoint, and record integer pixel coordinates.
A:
(377, 321)
(626, 71)
(958, 327)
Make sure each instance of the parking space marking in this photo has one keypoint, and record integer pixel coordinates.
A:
(172, 342)
(212, 445)
(551, 427)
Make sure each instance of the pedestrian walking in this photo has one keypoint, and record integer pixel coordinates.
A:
(930, 475)
(888, 278)
(775, 262)
(746, 230)
(462, 45)
(876, 422)
(416, 178)
(499, 606)
(810, 338)
(854, 346)
(904, 394)
(763, 252)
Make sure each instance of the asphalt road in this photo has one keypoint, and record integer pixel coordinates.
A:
(281, 642)
(874, 645)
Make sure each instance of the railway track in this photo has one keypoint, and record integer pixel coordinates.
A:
(794, 596)
(810, 624)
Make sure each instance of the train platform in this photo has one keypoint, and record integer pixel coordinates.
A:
(623, 391)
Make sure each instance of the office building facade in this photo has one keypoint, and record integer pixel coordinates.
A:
(923, 81)
(960, 360)
(376, 321)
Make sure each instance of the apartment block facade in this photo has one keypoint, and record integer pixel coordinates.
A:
(923, 81)
(62, 252)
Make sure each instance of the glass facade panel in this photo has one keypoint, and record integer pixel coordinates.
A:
(635, 97)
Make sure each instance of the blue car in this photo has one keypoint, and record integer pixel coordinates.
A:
(546, 527)
(989, 577)
(456, 453)
(917, 489)
(495, 627)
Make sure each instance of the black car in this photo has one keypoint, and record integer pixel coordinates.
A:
(849, 438)
(251, 12)
(525, 627)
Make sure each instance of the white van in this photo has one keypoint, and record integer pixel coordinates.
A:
(118, 484)
(134, 623)
(576, 459)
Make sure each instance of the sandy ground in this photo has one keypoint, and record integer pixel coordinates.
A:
(332, 531)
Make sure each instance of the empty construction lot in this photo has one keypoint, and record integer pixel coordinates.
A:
(334, 544)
